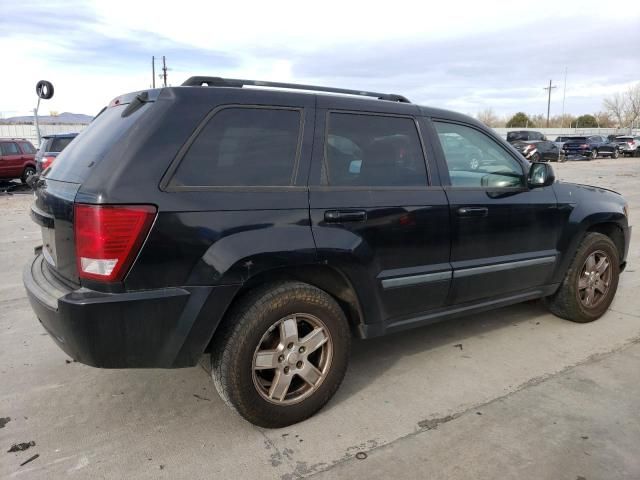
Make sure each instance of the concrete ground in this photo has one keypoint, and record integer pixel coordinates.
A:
(513, 393)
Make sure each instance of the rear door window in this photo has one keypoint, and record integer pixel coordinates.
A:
(243, 146)
(373, 150)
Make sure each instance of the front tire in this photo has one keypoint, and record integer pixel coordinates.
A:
(594, 154)
(591, 282)
(615, 154)
(281, 353)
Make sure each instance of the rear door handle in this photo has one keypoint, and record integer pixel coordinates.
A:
(339, 216)
(473, 211)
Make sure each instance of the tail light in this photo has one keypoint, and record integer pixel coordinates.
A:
(584, 145)
(630, 142)
(108, 238)
(46, 162)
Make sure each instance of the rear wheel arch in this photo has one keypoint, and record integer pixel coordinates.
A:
(326, 278)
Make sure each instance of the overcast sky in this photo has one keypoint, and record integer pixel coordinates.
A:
(460, 55)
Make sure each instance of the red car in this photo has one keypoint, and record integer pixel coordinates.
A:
(17, 159)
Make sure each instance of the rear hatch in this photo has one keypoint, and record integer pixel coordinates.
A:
(576, 143)
(56, 190)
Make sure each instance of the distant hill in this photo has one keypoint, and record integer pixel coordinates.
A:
(65, 117)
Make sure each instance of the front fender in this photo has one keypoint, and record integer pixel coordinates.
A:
(588, 207)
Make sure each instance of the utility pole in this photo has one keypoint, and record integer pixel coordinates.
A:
(564, 95)
(550, 87)
(153, 70)
(164, 71)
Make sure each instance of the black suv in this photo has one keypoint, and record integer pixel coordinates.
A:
(267, 226)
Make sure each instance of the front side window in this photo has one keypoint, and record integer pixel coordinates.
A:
(243, 147)
(374, 151)
(475, 159)
(9, 148)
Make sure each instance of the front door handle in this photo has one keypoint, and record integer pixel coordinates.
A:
(339, 216)
(473, 211)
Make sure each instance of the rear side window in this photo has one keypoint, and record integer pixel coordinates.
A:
(59, 144)
(9, 148)
(373, 150)
(27, 148)
(243, 146)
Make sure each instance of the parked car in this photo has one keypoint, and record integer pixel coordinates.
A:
(539, 150)
(16, 159)
(560, 141)
(590, 147)
(267, 226)
(629, 145)
(50, 148)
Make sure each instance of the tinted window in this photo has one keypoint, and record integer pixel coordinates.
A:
(27, 148)
(513, 136)
(373, 150)
(75, 163)
(9, 148)
(578, 139)
(59, 144)
(243, 147)
(475, 159)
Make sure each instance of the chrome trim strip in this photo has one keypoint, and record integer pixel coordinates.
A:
(416, 279)
(467, 272)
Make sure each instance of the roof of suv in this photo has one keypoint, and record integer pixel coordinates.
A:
(60, 135)
(351, 97)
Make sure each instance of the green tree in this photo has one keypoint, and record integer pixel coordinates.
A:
(587, 121)
(520, 119)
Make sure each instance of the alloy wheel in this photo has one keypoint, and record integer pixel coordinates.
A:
(292, 359)
(594, 279)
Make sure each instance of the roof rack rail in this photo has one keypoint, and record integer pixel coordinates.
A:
(234, 82)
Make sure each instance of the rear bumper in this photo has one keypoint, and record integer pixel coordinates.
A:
(163, 328)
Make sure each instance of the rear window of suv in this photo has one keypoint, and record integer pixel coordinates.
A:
(59, 143)
(75, 163)
(243, 146)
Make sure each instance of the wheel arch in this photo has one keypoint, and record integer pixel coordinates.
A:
(324, 277)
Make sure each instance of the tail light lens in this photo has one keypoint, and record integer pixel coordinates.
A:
(584, 145)
(46, 162)
(108, 238)
(630, 142)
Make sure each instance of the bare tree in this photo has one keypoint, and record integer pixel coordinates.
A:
(489, 118)
(633, 103)
(624, 107)
(616, 106)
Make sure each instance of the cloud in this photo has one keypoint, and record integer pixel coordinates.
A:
(460, 55)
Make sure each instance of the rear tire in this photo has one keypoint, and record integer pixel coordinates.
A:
(28, 171)
(264, 363)
(615, 154)
(572, 300)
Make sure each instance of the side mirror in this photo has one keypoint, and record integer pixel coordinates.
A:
(540, 175)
